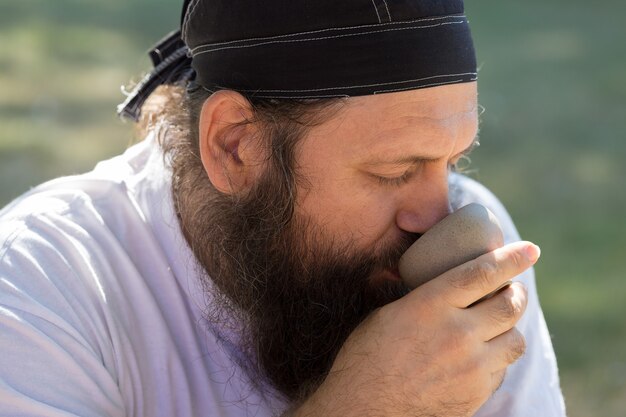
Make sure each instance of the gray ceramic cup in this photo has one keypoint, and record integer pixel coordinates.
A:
(463, 235)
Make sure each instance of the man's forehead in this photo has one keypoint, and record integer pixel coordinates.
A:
(440, 102)
(385, 126)
(432, 111)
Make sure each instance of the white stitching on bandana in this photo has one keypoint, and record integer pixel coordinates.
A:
(378, 5)
(376, 92)
(302, 97)
(326, 37)
(376, 10)
(387, 7)
(429, 19)
(421, 86)
(390, 90)
(192, 8)
(360, 86)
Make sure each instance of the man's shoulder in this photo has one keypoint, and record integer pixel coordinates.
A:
(47, 232)
(61, 206)
(79, 243)
(51, 279)
(72, 223)
(81, 274)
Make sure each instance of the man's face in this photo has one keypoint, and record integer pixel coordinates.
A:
(371, 179)
(380, 168)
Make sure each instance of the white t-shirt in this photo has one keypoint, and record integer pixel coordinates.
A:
(101, 308)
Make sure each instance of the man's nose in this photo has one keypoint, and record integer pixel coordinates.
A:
(424, 206)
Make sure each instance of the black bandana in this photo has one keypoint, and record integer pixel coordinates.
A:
(297, 49)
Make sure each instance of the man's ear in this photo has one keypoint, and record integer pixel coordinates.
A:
(229, 148)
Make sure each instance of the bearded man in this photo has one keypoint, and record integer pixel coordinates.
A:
(242, 259)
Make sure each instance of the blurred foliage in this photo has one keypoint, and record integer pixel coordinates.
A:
(62, 64)
(551, 80)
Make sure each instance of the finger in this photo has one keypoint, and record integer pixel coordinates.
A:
(491, 294)
(505, 349)
(463, 285)
(499, 313)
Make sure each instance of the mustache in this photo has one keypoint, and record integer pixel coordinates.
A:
(390, 254)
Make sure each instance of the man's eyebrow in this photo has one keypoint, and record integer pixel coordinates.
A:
(416, 159)
(401, 160)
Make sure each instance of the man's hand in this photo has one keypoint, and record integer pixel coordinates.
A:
(428, 354)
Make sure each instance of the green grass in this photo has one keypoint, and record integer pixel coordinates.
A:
(61, 67)
(551, 80)
(552, 84)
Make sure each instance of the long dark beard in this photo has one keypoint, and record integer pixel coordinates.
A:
(295, 293)
(312, 301)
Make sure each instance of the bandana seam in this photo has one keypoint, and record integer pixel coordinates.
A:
(387, 8)
(347, 95)
(192, 9)
(329, 37)
(283, 97)
(422, 86)
(430, 19)
(376, 10)
(355, 86)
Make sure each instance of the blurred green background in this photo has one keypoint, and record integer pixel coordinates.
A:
(552, 81)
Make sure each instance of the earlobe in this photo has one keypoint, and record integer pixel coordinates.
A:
(227, 147)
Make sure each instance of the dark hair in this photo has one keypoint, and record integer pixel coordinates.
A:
(216, 225)
(172, 112)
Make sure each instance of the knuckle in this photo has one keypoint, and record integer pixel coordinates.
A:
(517, 347)
(507, 308)
(520, 300)
(485, 273)
(517, 260)
(477, 274)
(524, 293)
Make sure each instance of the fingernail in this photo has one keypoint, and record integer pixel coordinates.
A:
(533, 252)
